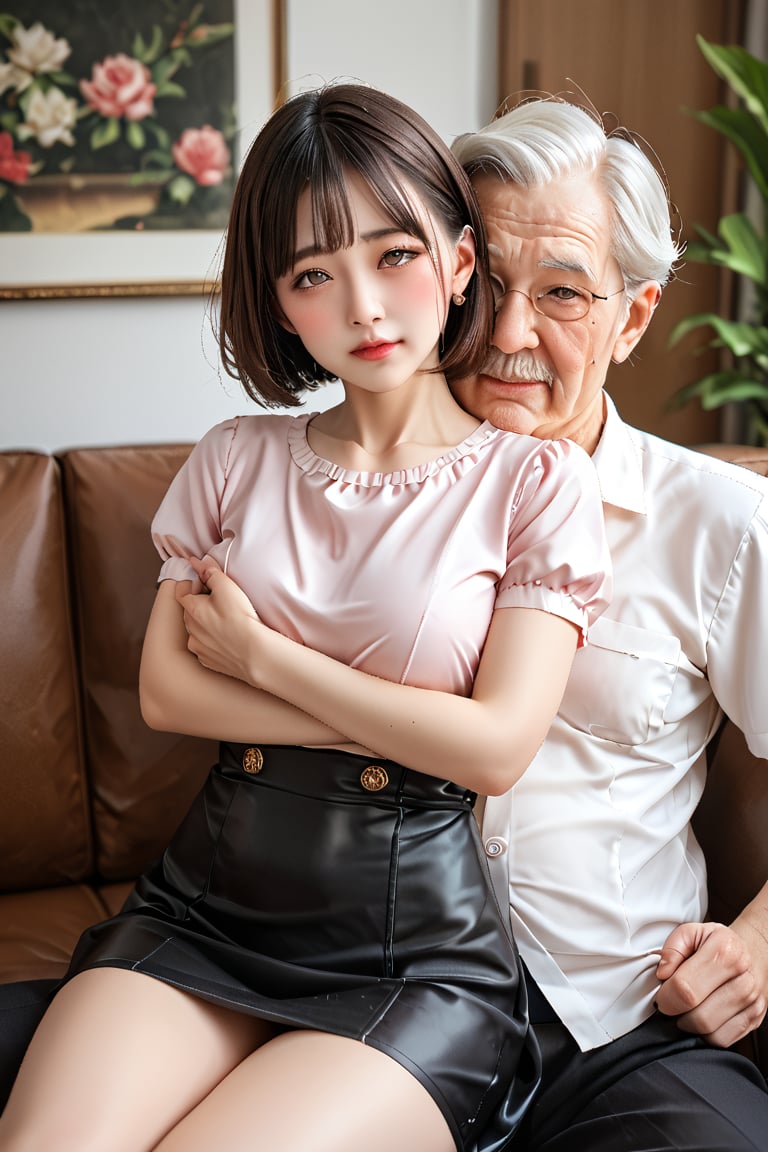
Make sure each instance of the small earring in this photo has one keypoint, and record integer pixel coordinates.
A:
(458, 299)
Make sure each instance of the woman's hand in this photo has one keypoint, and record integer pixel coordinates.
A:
(219, 619)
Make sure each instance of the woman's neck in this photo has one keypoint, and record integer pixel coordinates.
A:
(384, 432)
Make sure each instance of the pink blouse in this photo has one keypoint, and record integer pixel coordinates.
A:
(394, 573)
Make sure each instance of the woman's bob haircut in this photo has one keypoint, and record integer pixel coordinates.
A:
(315, 141)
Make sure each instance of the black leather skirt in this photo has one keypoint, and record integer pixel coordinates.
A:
(318, 889)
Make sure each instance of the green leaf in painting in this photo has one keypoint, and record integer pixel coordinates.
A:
(105, 132)
(7, 24)
(181, 189)
(135, 135)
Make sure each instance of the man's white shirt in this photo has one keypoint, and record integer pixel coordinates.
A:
(593, 847)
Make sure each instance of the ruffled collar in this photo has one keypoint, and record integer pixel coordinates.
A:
(310, 462)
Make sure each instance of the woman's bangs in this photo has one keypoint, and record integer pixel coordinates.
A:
(332, 222)
(389, 187)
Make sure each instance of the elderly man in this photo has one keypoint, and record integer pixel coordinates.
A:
(634, 998)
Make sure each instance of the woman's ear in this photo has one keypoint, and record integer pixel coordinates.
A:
(464, 261)
(640, 313)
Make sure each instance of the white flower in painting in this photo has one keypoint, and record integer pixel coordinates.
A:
(13, 77)
(37, 50)
(50, 116)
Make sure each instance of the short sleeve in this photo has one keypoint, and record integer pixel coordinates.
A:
(188, 521)
(737, 654)
(558, 557)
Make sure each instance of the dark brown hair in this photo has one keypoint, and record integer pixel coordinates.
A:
(315, 140)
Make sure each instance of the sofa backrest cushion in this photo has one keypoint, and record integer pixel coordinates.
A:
(141, 781)
(45, 831)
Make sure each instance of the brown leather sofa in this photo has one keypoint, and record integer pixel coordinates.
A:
(88, 794)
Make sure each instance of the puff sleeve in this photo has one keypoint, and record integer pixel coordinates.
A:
(558, 557)
(188, 521)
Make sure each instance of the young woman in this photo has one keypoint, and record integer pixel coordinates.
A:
(395, 594)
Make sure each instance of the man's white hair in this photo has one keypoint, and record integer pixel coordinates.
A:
(544, 140)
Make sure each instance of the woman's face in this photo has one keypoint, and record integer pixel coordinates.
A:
(371, 313)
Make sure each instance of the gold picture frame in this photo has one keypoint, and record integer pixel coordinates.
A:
(46, 265)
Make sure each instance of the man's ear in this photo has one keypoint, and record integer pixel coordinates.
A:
(464, 260)
(640, 312)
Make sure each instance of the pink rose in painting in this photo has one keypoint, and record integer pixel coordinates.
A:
(202, 153)
(14, 166)
(120, 86)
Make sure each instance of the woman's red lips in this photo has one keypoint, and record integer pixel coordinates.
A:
(374, 351)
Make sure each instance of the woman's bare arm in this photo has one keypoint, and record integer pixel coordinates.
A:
(484, 742)
(178, 694)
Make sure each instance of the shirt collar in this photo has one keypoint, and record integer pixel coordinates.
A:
(618, 463)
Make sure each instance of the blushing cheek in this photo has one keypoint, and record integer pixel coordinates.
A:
(421, 294)
(311, 323)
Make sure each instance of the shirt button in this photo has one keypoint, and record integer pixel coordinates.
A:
(495, 846)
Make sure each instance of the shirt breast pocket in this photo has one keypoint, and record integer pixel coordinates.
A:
(621, 682)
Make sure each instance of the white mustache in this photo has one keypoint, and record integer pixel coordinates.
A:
(517, 366)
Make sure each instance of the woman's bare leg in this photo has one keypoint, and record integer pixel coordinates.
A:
(312, 1092)
(118, 1059)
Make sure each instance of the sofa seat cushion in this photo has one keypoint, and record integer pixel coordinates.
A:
(42, 927)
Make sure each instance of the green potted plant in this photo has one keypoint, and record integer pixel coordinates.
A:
(741, 245)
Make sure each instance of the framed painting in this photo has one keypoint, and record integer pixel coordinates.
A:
(122, 128)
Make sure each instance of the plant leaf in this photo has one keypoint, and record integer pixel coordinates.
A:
(139, 48)
(153, 175)
(214, 33)
(7, 24)
(105, 132)
(135, 135)
(732, 391)
(155, 46)
(168, 88)
(181, 189)
(748, 136)
(160, 134)
(159, 157)
(720, 388)
(746, 248)
(743, 72)
(741, 338)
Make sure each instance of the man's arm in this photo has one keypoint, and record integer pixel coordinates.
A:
(714, 978)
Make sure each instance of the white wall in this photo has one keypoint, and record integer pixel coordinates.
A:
(439, 56)
(144, 370)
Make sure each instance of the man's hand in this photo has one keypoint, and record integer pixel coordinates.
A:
(713, 979)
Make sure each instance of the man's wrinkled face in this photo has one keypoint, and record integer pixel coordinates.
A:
(544, 376)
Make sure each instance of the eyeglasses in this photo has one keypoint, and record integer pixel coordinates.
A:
(557, 301)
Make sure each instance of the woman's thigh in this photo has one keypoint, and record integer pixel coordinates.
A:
(314, 1092)
(118, 1059)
